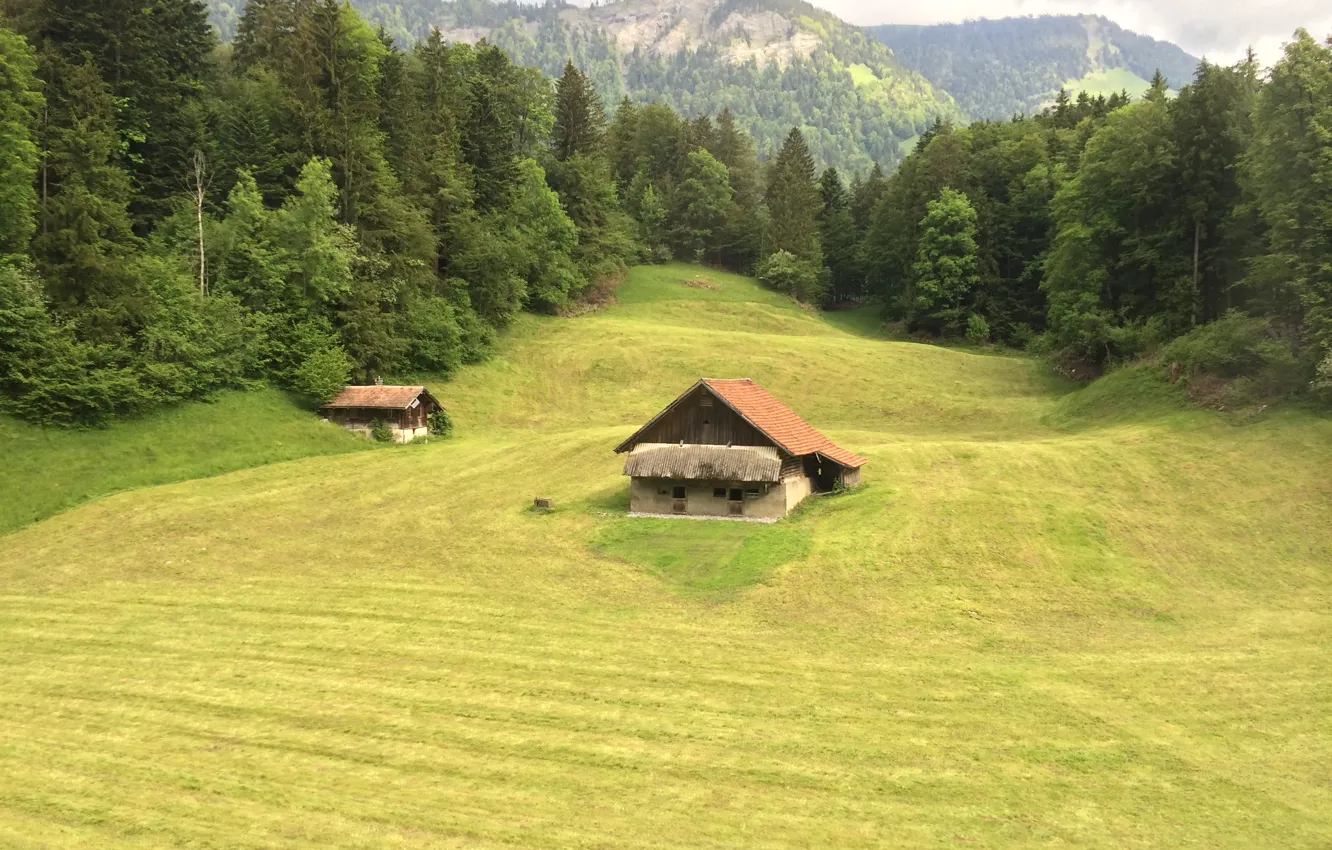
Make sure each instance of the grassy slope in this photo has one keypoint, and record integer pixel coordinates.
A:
(1110, 82)
(1024, 629)
(48, 470)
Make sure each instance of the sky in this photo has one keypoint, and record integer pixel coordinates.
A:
(1220, 29)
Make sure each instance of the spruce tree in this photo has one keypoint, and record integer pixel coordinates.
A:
(742, 237)
(580, 119)
(793, 201)
(1213, 127)
(84, 236)
(21, 104)
(153, 58)
(837, 231)
(867, 198)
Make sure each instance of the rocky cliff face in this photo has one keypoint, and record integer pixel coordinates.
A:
(739, 32)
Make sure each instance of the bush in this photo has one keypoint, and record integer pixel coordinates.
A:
(322, 374)
(381, 431)
(978, 330)
(1322, 383)
(1021, 335)
(1234, 345)
(441, 424)
(790, 275)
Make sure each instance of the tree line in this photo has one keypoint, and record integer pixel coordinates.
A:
(313, 205)
(308, 206)
(1101, 231)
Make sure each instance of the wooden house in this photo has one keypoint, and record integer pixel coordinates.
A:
(405, 410)
(728, 448)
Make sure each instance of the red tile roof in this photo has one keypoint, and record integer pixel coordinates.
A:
(379, 396)
(778, 421)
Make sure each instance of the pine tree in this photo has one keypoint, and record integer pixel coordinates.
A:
(1213, 127)
(85, 234)
(1159, 89)
(867, 197)
(21, 104)
(838, 241)
(153, 58)
(743, 235)
(580, 119)
(793, 201)
(621, 144)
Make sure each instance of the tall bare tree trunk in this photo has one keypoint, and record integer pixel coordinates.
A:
(1197, 295)
(199, 180)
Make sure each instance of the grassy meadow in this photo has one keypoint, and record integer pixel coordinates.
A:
(1051, 617)
(47, 470)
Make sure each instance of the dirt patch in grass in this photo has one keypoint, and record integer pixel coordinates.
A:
(699, 283)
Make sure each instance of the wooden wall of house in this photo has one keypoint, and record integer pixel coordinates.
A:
(704, 419)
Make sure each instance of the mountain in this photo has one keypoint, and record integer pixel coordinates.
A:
(997, 68)
(773, 63)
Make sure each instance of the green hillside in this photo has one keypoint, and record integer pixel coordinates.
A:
(1050, 617)
(998, 68)
(48, 470)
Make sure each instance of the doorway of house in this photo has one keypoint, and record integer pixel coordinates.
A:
(679, 502)
(736, 501)
(825, 475)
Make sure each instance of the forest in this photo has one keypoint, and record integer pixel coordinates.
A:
(313, 204)
(1196, 229)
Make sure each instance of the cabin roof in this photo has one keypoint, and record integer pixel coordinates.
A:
(379, 396)
(775, 420)
(704, 462)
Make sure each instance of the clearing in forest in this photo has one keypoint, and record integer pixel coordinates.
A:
(1050, 616)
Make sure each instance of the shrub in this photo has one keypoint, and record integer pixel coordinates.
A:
(441, 424)
(1322, 383)
(322, 374)
(1021, 335)
(1234, 345)
(978, 330)
(790, 275)
(381, 431)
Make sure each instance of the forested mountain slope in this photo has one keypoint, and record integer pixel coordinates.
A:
(996, 68)
(773, 63)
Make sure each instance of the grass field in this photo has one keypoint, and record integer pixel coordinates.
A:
(1112, 81)
(1050, 617)
(50, 470)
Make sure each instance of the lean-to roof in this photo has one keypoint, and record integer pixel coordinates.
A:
(701, 462)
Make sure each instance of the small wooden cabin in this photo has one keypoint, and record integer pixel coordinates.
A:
(728, 448)
(406, 410)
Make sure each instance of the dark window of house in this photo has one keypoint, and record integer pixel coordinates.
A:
(736, 495)
(706, 401)
(719, 492)
(678, 493)
(751, 493)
